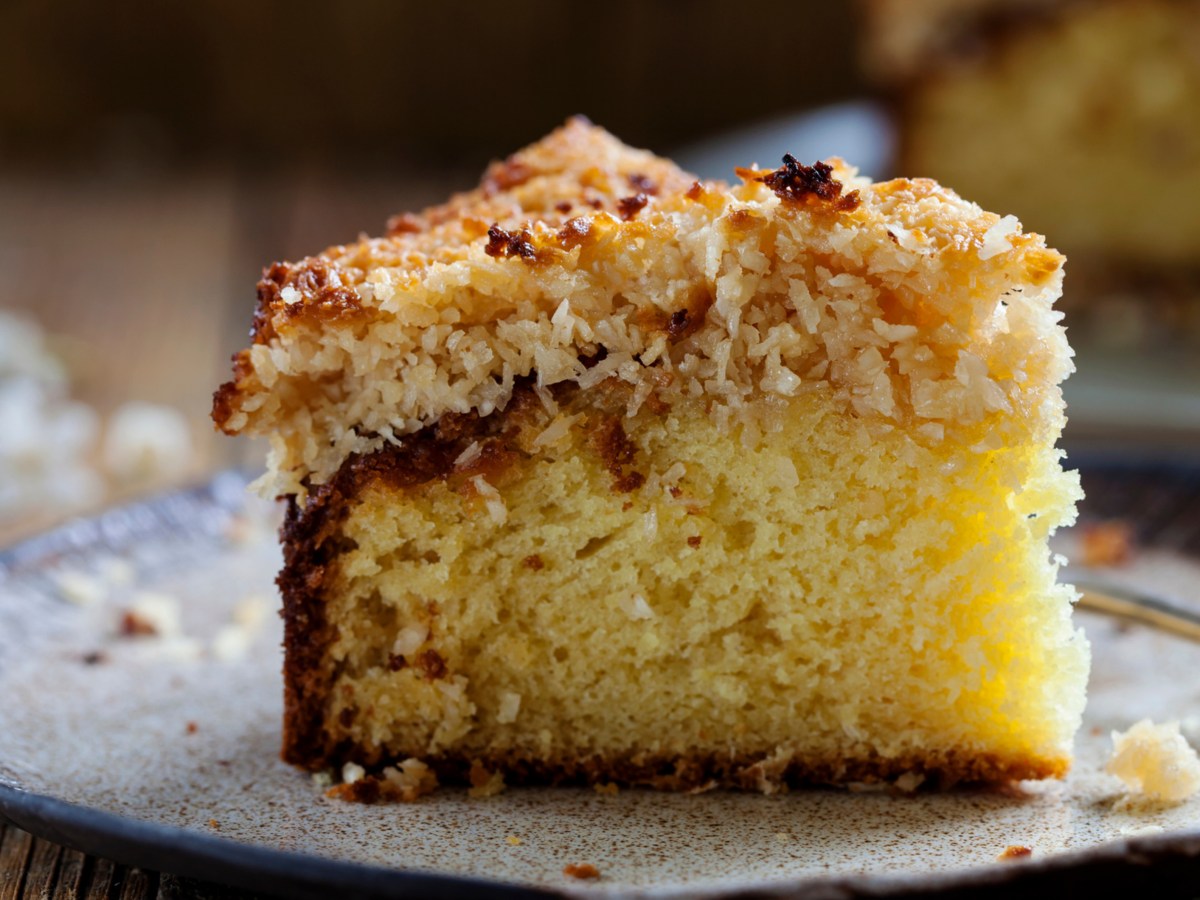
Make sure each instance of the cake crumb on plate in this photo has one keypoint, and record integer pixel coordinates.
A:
(1015, 851)
(1108, 543)
(484, 783)
(582, 871)
(1155, 763)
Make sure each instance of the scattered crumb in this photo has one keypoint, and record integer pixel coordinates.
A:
(1141, 830)
(322, 779)
(135, 625)
(232, 642)
(514, 840)
(178, 649)
(581, 871)
(147, 442)
(80, 589)
(213, 823)
(483, 782)
(408, 781)
(252, 611)
(405, 783)
(364, 790)
(610, 789)
(116, 572)
(1015, 851)
(152, 615)
(95, 658)
(1155, 763)
(192, 727)
(909, 782)
(1108, 543)
(242, 530)
(87, 590)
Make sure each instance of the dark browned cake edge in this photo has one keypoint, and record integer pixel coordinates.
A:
(310, 539)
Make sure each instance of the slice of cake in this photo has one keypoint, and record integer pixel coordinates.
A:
(1083, 118)
(602, 474)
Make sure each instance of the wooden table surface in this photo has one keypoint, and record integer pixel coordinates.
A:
(34, 868)
(146, 285)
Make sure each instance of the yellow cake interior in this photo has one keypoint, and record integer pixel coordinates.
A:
(823, 597)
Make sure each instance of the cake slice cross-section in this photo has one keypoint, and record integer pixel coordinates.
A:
(603, 474)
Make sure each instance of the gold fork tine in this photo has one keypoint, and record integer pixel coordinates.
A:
(1136, 606)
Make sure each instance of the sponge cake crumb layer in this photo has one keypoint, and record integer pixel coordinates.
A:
(819, 604)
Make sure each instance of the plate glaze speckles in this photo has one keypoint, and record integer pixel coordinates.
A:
(180, 735)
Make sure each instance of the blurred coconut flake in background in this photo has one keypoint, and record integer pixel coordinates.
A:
(57, 456)
(46, 440)
(147, 442)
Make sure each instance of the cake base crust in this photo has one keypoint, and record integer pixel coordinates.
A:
(698, 773)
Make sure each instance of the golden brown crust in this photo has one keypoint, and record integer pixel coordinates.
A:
(578, 168)
(225, 396)
(809, 185)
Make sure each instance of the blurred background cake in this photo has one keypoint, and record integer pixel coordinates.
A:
(1082, 117)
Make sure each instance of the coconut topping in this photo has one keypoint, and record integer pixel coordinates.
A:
(911, 307)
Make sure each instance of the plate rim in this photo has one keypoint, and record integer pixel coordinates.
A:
(285, 873)
(206, 857)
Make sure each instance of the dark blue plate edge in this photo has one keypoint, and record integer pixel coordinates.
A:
(163, 848)
(1175, 858)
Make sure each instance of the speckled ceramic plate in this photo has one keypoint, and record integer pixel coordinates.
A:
(162, 751)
